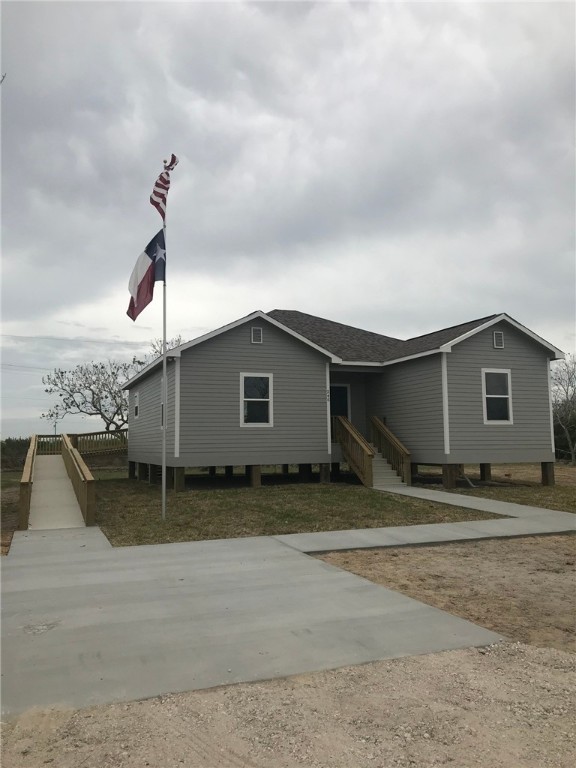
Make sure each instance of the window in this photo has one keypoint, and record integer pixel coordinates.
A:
(497, 396)
(136, 404)
(498, 339)
(256, 400)
(256, 335)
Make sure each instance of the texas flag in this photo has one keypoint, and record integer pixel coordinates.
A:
(150, 267)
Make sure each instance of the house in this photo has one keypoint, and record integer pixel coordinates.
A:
(285, 387)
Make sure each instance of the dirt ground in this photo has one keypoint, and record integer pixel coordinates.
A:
(522, 588)
(564, 473)
(510, 705)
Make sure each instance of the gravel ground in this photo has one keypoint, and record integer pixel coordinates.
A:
(507, 706)
(522, 588)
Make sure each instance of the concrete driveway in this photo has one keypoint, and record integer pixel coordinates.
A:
(85, 623)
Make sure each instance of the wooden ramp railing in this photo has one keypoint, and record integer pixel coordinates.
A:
(355, 449)
(48, 445)
(88, 443)
(26, 485)
(81, 478)
(397, 455)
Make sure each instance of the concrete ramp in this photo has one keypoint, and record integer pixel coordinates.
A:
(53, 503)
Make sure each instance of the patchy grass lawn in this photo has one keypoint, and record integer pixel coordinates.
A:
(562, 498)
(10, 485)
(129, 512)
(519, 484)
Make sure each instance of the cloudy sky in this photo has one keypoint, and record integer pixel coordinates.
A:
(400, 167)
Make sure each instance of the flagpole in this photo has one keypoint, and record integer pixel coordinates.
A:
(164, 387)
(158, 200)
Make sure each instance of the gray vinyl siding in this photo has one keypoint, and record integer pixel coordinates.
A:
(145, 435)
(529, 437)
(409, 396)
(210, 431)
(171, 374)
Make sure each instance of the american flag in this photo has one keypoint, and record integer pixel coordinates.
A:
(162, 185)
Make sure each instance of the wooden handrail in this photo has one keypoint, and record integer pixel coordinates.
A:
(48, 445)
(26, 485)
(81, 478)
(391, 449)
(100, 442)
(356, 450)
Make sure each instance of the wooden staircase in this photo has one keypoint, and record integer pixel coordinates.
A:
(383, 475)
(381, 464)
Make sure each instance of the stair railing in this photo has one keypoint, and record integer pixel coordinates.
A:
(397, 455)
(355, 449)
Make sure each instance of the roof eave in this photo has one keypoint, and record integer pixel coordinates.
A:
(384, 363)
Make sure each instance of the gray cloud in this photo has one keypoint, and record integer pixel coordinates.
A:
(431, 142)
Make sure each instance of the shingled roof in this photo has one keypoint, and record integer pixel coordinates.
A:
(355, 345)
(345, 341)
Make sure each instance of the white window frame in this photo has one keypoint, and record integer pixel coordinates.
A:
(136, 404)
(498, 339)
(497, 422)
(253, 335)
(270, 401)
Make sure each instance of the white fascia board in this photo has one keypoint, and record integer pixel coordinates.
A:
(258, 314)
(333, 358)
(410, 357)
(558, 354)
(360, 364)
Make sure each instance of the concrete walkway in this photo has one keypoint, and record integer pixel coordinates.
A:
(517, 520)
(53, 503)
(85, 623)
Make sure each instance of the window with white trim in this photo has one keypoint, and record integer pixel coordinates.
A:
(498, 339)
(497, 396)
(256, 335)
(136, 404)
(256, 400)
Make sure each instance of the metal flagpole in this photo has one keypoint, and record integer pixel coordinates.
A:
(164, 386)
(158, 200)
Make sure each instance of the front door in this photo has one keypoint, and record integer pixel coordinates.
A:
(340, 400)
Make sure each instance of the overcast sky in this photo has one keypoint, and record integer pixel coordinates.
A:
(396, 167)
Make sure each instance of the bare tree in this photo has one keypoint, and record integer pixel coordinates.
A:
(93, 389)
(564, 403)
(156, 347)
